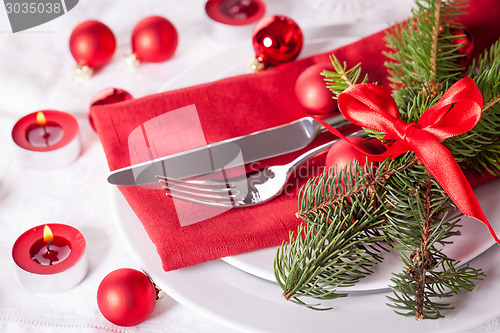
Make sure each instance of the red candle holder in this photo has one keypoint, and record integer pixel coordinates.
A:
(234, 18)
(47, 139)
(50, 264)
(235, 12)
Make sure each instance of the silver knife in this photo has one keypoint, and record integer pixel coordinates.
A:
(253, 147)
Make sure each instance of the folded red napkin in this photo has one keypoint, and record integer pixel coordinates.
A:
(232, 107)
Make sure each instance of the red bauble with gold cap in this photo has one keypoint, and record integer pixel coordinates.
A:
(92, 44)
(154, 39)
(276, 39)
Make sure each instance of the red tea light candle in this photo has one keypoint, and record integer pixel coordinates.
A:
(47, 139)
(44, 135)
(235, 12)
(234, 18)
(50, 258)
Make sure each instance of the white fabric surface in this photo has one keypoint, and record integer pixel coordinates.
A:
(36, 72)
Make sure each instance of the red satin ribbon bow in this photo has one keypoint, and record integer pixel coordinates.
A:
(456, 112)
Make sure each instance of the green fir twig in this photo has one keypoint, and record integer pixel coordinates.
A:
(342, 77)
(341, 238)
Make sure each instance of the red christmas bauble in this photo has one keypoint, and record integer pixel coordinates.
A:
(276, 39)
(342, 153)
(92, 44)
(108, 96)
(126, 297)
(312, 92)
(154, 39)
(467, 46)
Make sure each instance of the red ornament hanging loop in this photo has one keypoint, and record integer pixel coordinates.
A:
(276, 39)
(92, 44)
(154, 39)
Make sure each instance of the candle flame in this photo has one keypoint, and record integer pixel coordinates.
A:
(47, 234)
(40, 118)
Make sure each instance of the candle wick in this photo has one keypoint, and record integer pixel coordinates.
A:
(48, 245)
(44, 129)
(45, 135)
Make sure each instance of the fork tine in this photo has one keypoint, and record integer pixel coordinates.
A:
(211, 193)
(201, 190)
(202, 194)
(196, 189)
(197, 182)
(203, 200)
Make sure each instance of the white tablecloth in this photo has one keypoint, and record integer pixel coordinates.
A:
(36, 72)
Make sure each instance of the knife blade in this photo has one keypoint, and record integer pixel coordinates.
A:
(253, 147)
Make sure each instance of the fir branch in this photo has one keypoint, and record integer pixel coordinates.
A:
(423, 53)
(422, 257)
(487, 75)
(434, 47)
(342, 78)
(451, 280)
(334, 193)
(419, 223)
(492, 102)
(340, 241)
(338, 245)
(480, 148)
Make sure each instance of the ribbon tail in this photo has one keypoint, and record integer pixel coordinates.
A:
(334, 131)
(330, 128)
(442, 165)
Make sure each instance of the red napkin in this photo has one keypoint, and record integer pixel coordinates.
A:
(232, 107)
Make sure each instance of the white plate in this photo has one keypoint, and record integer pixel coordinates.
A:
(242, 301)
(260, 263)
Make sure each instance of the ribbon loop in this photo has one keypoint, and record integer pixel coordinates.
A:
(369, 106)
(456, 112)
(446, 120)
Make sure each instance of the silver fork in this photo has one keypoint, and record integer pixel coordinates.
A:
(243, 191)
